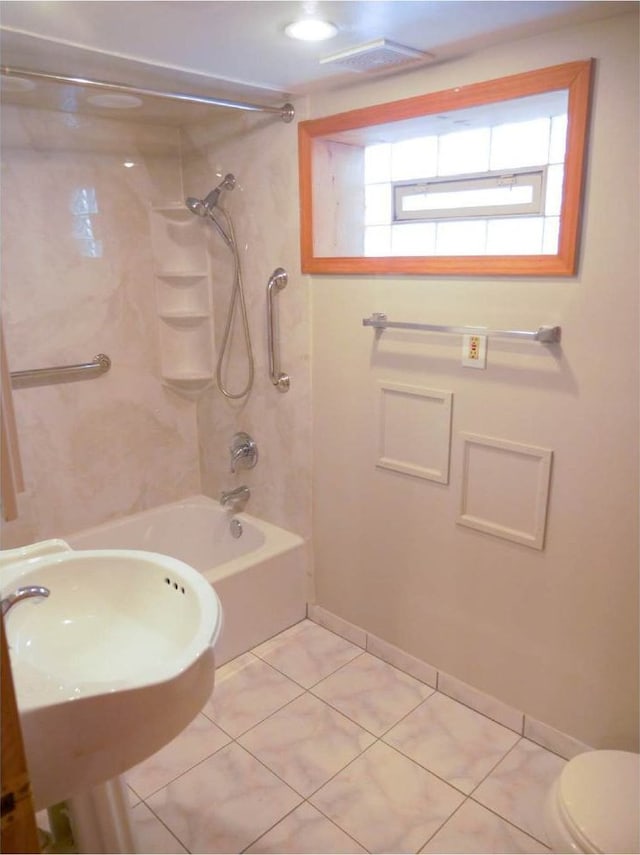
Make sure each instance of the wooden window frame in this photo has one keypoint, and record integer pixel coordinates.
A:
(575, 77)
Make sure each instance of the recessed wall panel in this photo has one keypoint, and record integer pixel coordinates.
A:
(414, 427)
(505, 488)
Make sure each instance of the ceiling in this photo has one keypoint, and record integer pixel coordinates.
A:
(238, 49)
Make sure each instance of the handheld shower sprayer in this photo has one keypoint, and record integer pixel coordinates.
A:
(204, 207)
(209, 208)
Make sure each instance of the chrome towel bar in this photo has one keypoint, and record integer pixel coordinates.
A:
(100, 364)
(545, 334)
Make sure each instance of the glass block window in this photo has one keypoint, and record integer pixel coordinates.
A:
(489, 190)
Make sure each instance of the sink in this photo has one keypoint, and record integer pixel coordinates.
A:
(111, 666)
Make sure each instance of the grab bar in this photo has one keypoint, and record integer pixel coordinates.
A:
(545, 334)
(100, 364)
(277, 281)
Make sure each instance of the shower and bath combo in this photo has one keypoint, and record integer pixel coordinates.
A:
(210, 208)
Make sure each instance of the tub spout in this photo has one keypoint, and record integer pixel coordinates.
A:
(235, 499)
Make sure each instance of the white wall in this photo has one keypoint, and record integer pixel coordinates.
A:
(553, 632)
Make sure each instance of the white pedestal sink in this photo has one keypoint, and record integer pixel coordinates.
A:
(111, 666)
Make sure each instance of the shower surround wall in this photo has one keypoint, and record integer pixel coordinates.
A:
(77, 279)
(553, 632)
(100, 449)
(262, 154)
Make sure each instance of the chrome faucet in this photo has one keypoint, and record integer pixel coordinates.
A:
(235, 498)
(243, 452)
(23, 594)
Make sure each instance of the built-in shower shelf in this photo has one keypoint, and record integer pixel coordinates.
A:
(184, 318)
(183, 299)
(189, 381)
(182, 278)
(188, 387)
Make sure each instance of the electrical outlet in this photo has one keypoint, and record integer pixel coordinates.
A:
(474, 351)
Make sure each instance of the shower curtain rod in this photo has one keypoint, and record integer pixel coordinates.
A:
(286, 112)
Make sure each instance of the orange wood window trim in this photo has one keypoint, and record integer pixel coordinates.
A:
(574, 76)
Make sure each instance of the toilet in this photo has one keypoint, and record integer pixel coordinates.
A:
(594, 805)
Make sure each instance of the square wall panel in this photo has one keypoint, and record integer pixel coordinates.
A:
(414, 426)
(505, 488)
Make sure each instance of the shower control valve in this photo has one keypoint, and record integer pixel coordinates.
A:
(243, 452)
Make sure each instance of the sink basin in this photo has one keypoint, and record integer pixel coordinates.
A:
(111, 666)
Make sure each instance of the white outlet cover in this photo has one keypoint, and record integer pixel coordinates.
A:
(474, 351)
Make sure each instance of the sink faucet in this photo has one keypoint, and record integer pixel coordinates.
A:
(23, 594)
(234, 498)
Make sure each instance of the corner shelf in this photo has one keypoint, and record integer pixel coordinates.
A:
(183, 300)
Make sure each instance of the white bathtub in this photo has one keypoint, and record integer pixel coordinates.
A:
(260, 576)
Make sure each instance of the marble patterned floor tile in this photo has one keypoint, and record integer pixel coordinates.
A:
(306, 831)
(518, 786)
(372, 693)
(387, 802)
(306, 742)
(452, 741)
(198, 740)
(248, 690)
(152, 835)
(223, 804)
(474, 829)
(307, 652)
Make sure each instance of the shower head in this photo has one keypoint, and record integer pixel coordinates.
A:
(203, 207)
(196, 206)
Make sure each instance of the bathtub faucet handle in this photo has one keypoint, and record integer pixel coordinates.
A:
(235, 499)
(243, 452)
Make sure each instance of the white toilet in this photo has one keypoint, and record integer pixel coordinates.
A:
(594, 805)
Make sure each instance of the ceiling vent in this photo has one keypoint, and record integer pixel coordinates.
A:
(376, 56)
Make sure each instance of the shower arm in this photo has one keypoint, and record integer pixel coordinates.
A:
(286, 112)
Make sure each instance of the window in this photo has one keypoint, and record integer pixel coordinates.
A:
(482, 179)
(482, 195)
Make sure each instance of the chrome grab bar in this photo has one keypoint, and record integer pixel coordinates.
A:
(100, 364)
(277, 281)
(545, 334)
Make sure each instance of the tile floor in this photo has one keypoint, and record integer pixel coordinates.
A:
(311, 745)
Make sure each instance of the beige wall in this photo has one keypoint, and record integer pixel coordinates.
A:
(104, 447)
(553, 632)
(261, 152)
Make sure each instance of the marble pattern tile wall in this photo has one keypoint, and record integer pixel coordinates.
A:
(77, 275)
(262, 154)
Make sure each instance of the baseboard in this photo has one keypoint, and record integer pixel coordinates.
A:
(537, 731)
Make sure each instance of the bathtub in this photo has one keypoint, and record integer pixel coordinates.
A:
(259, 576)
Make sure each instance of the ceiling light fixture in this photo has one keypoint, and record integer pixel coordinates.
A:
(311, 30)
